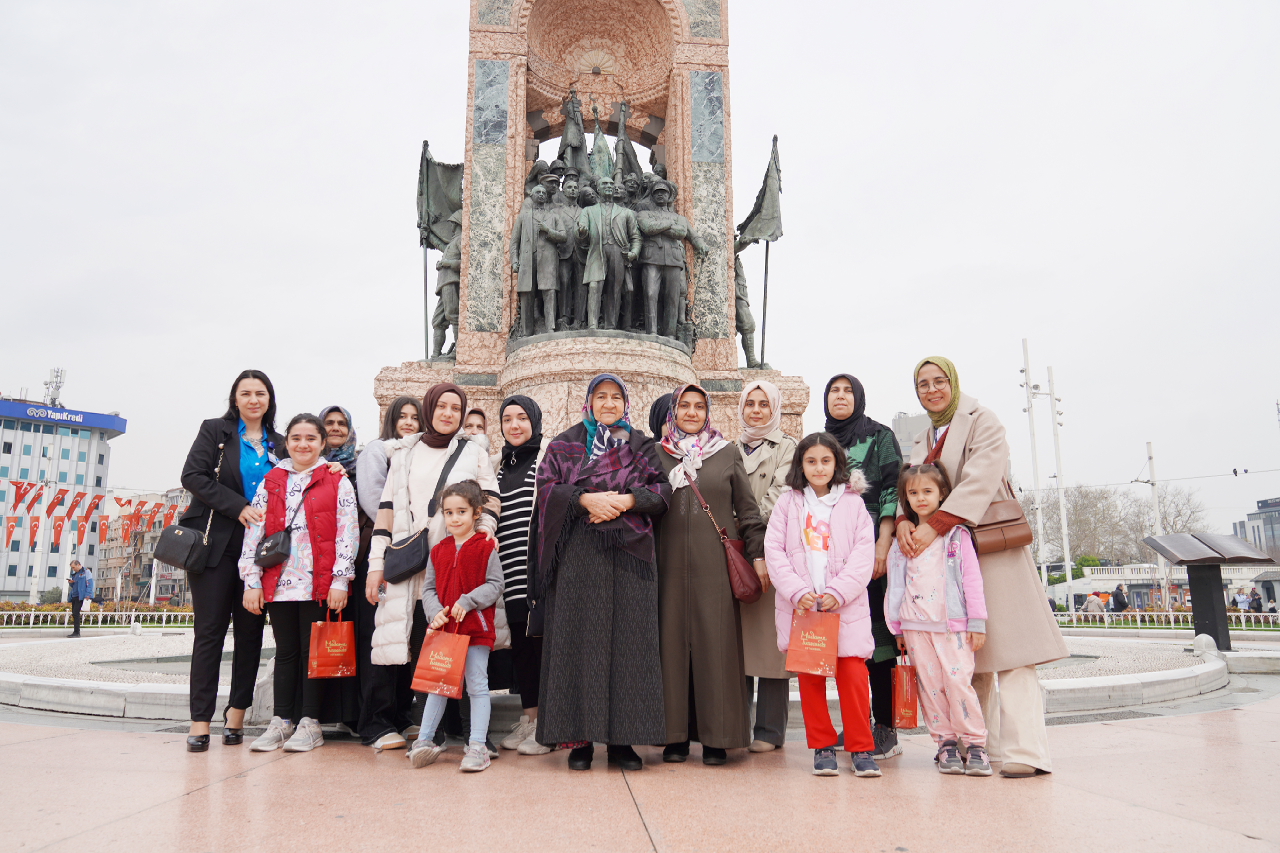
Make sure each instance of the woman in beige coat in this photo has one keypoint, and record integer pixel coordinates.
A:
(766, 453)
(968, 441)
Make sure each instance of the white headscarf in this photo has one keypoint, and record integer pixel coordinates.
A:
(752, 436)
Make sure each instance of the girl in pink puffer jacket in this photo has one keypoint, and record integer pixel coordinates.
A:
(820, 551)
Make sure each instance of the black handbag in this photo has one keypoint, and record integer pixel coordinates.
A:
(406, 558)
(274, 549)
(186, 548)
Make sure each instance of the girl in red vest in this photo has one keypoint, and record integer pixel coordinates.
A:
(318, 508)
(463, 583)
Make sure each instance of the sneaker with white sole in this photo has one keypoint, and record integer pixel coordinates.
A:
(475, 759)
(306, 737)
(530, 746)
(278, 731)
(824, 762)
(948, 758)
(391, 740)
(886, 739)
(976, 763)
(411, 733)
(423, 753)
(865, 765)
(519, 733)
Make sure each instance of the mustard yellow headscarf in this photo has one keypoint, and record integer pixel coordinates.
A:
(941, 419)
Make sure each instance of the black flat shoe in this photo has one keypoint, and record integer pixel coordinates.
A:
(197, 743)
(714, 756)
(625, 757)
(676, 753)
(580, 757)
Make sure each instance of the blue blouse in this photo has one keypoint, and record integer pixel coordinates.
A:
(254, 465)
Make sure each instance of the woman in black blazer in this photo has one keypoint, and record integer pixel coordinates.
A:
(246, 442)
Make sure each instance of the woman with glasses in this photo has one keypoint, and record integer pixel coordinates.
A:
(968, 442)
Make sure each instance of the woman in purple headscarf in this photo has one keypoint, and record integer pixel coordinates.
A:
(595, 584)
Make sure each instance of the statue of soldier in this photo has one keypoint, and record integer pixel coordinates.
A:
(586, 198)
(573, 142)
(447, 282)
(535, 260)
(663, 256)
(570, 270)
(746, 323)
(613, 242)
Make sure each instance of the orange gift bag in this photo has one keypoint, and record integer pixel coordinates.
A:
(442, 663)
(333, 648)
(905, 697)
(813, 646)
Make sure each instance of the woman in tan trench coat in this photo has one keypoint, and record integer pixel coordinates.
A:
(968, 441)
(699, 626)
(766, 454)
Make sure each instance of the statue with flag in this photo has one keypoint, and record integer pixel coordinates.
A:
(764, 222)
(439, 226)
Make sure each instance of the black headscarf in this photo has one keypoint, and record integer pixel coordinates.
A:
(857, 426)
(658, 415)
(516, 460)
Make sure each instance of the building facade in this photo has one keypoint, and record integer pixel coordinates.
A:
(54, 448)
(1261, 528)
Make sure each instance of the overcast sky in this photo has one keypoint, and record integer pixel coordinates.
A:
(191, 189)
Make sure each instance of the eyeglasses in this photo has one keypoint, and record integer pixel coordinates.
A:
(940, 384)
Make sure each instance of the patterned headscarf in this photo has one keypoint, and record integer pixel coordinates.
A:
(690, 447)
(346, 454)
(600, 440)
(430, 437)
(752, 436)
(941, 419)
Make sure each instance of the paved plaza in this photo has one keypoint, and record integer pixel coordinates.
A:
(1198, 774)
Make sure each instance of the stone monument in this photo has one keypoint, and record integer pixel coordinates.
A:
(656, 73)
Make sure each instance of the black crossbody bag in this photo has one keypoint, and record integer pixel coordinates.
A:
(406, 558)
(274, 549)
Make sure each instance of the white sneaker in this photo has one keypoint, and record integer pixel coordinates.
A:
(529, 746)
(520, 732)
(307, 737)
(278, 731)
(475, 759)
(393, 740)
(411, 733)
(423, 754)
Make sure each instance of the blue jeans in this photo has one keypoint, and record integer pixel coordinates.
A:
(477, 679)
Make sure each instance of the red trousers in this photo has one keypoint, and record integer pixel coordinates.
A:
(855, 707)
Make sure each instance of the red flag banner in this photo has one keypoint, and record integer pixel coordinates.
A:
(10, 524)
(139, 507)
(127, 524)
(58, 523)
(93, 505)
(56, 502)
(35, 497)
(122, 503)
(151, 515)
(20, 491)
(75, 502)
(103, 523)
(169, 514)
(81, 526)
(35, 529)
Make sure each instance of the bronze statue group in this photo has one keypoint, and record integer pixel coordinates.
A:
(598, 557)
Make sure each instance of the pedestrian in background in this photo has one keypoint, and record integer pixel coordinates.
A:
(80, 590)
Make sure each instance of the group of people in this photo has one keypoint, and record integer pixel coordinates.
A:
(1251, 601)
(597, 556)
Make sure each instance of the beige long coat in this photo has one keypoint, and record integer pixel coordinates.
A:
(767, 470)
(1020, 629)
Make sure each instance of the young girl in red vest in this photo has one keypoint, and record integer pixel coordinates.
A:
(318, 507)
(463, 583)
(820, 550)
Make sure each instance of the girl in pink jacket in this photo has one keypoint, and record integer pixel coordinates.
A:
(820, 550)
(935, 607)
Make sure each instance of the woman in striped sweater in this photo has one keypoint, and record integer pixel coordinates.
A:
(521, 420)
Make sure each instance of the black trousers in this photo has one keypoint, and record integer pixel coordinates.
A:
(296, 696)
(76, 604)
(880, 674)
(387, 695)
(526, 657)
(217, 596)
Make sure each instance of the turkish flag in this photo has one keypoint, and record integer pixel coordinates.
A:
(122, 503)
(127, 524)
(35, 497)
(75, 502)
(169, 514)
(58, 523)
(10, 524)
(93, 505)
(20, 491)
(35, 528)
(103, 523)
(57, 500)
(137, 510)
(81, 527)
(151, 515)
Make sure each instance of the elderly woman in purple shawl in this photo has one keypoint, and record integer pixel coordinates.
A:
(600, 489)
